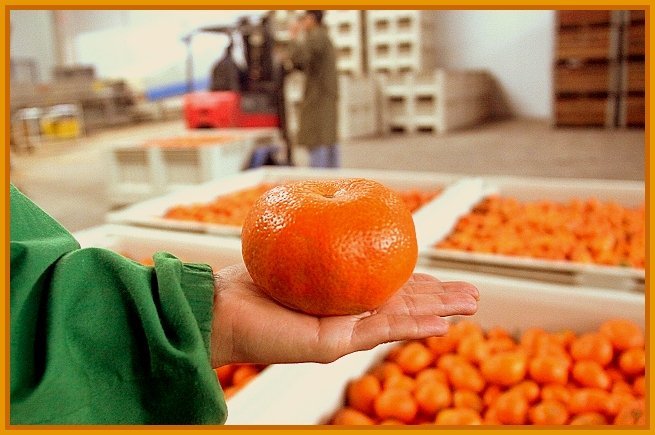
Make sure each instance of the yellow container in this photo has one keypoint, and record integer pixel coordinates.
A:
(67, 128)
(49, 127)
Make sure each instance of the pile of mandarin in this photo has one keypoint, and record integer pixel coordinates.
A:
(416, 198)
(231, 209)
(471, 377)
(586, 231)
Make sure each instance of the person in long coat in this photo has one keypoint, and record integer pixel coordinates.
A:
(316, 57)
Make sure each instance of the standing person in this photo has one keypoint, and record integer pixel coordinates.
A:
(314, 54)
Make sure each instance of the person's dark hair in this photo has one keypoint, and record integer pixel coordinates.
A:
(318, 16)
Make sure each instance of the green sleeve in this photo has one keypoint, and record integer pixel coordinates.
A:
(100, 339)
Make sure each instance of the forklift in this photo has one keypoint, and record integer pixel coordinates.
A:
(239, 98)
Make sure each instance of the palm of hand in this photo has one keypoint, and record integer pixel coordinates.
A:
(251, 327)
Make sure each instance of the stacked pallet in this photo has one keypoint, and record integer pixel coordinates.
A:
(632, 101)
(587, 70)
(357, 109)
(400, 41)
(346, 29)
(438, 101)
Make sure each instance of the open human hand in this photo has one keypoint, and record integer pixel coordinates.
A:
(250, 327)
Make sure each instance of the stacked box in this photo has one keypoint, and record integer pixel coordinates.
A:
(632, 100)
(346, 29)
(587, 70)
(438, 101)
(400, 41)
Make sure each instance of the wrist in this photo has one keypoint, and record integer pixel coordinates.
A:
(220, 349)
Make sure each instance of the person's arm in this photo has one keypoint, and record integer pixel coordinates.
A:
(100, 339)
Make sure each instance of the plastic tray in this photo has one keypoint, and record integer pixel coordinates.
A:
(627, 193)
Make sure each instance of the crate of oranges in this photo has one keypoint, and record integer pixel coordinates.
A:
(220, 206)
(534, 353)
(574, 231)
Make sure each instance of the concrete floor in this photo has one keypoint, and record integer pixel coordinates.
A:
(69, 179)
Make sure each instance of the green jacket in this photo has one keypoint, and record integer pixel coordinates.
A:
(318, 113)
(100, 339)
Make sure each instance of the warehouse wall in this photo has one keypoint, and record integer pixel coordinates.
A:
(72, 23)
(144, 47)
(515, 46)
(32, 37)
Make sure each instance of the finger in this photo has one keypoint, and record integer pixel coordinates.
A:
(378, 329)
(423, 277)
(437, 304)
(463, 287)
(435, 287)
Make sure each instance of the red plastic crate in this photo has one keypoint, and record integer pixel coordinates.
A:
(259, 120)
(222, 110)
(211, 109)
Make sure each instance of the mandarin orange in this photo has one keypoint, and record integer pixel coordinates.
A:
(330, 247)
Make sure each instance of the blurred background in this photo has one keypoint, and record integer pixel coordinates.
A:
(535, 93)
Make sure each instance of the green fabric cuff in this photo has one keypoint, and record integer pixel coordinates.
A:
(197, 283)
